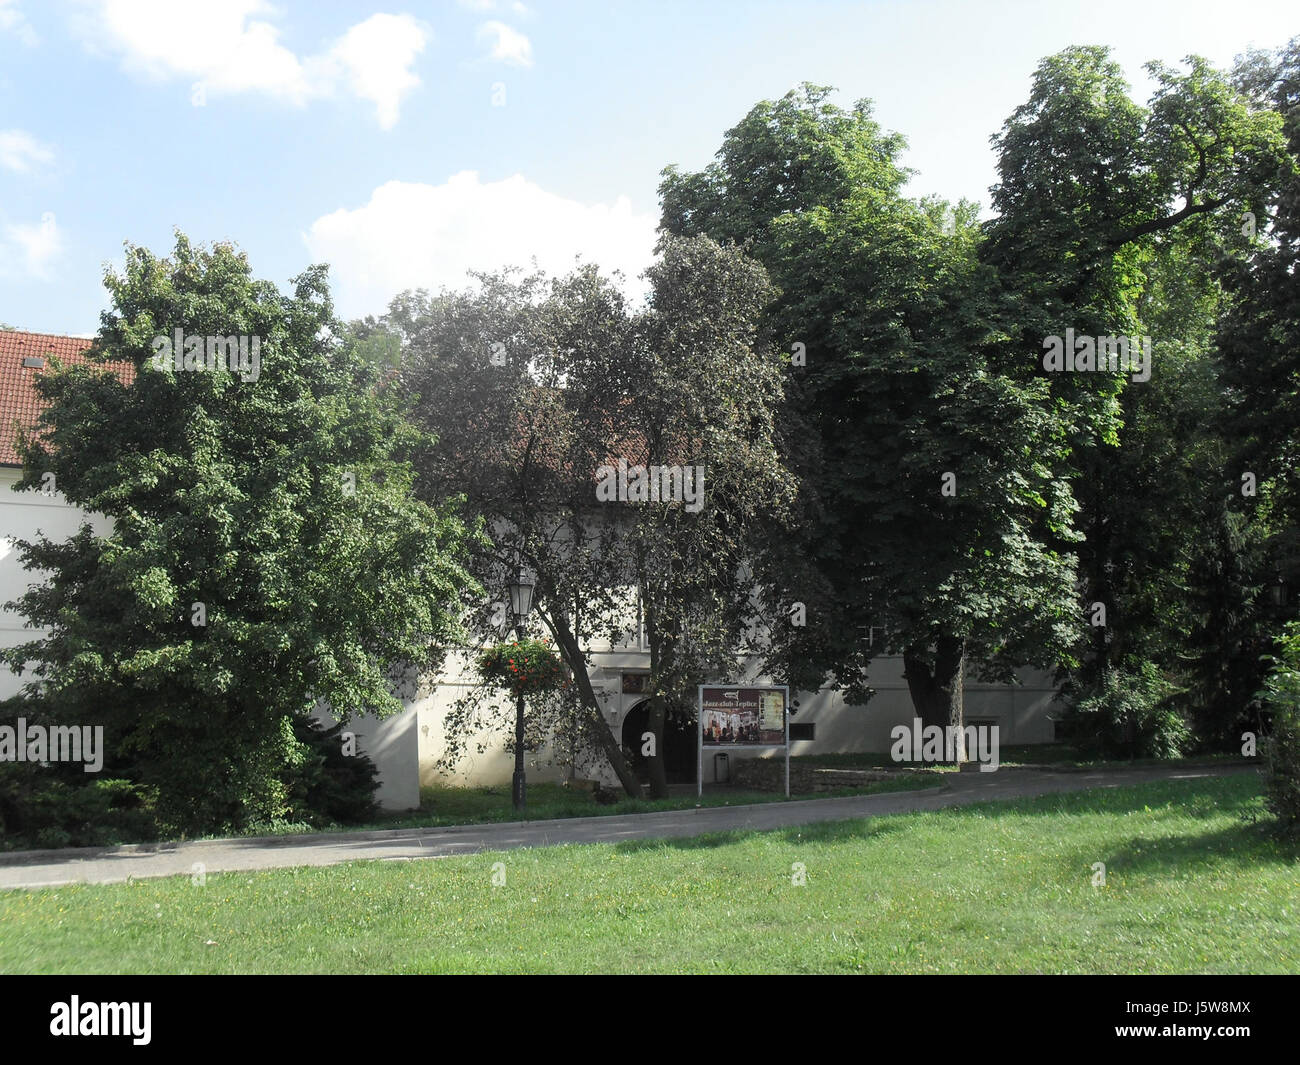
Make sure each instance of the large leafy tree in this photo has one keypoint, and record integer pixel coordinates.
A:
(706, 394)
(531, 387)
(1259, 340)
(267, 555)
(1244, 594)
(483, 369)
(933, 509)
(1112, 220)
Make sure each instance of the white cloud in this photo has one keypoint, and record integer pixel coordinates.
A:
(413, 235)
(509, 46)
(29, 248)
(224, 46)
(220, 44)
(12, 20)
(378, 54)
(21, 151)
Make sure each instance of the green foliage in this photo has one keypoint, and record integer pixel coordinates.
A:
(531, 386)
(266, 555)
(376, 343)
(905, 376)
(523, 666)
(1281, 696)
(329, 787)
(1128, 711)
(41, 808)
(1118, 219)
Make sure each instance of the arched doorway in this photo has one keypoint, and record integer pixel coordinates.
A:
(679, 744)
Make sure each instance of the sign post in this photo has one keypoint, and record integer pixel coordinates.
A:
(742, 716)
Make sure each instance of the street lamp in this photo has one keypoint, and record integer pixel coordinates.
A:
(521, 602)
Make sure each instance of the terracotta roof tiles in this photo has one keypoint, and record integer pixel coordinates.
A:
(23, 356)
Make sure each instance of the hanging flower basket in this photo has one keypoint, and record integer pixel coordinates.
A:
(523, 666)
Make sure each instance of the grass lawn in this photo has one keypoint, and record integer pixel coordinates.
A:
(443, 806)
(1193, 884)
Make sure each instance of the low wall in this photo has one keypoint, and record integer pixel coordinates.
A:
(768, 774)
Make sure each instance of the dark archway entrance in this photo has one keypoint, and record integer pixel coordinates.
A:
(679, 744)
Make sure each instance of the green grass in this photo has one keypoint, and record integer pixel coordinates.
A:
(1194, 883)
(444, 806)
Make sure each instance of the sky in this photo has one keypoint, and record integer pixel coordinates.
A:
(404, 144)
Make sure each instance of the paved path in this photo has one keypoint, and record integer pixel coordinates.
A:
(98, 865)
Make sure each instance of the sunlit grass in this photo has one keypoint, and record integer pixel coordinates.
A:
(1192, 884)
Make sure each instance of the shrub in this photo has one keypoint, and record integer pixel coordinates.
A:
(327, 786)
(41, 809)
(1129, 711)
(1281, 698)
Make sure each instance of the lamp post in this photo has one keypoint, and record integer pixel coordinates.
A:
(521, 602)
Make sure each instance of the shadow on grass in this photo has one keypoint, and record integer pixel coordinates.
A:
(1244, 844)
(1202, 797)
(817, 832)
(1250, 840)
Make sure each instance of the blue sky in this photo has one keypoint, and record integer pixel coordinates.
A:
(405, 143)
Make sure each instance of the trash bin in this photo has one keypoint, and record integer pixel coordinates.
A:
(721, 768)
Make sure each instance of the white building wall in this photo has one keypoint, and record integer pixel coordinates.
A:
(22, 515)
(1023, 714)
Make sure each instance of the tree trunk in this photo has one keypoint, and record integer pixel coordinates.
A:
(609, 744)
(937, 690)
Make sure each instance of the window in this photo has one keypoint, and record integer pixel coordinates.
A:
(805, 731)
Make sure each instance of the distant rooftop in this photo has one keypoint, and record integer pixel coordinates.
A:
(22, 357)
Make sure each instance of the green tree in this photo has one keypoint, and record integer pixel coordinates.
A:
(932, 509)
(267, 556)
(533, 387)
(706, 394)
(1111, 220)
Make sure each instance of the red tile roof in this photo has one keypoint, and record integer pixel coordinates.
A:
(20, 405)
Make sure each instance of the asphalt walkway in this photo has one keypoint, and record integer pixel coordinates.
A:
(99, 865)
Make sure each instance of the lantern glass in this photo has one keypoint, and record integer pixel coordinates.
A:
(521, 597)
